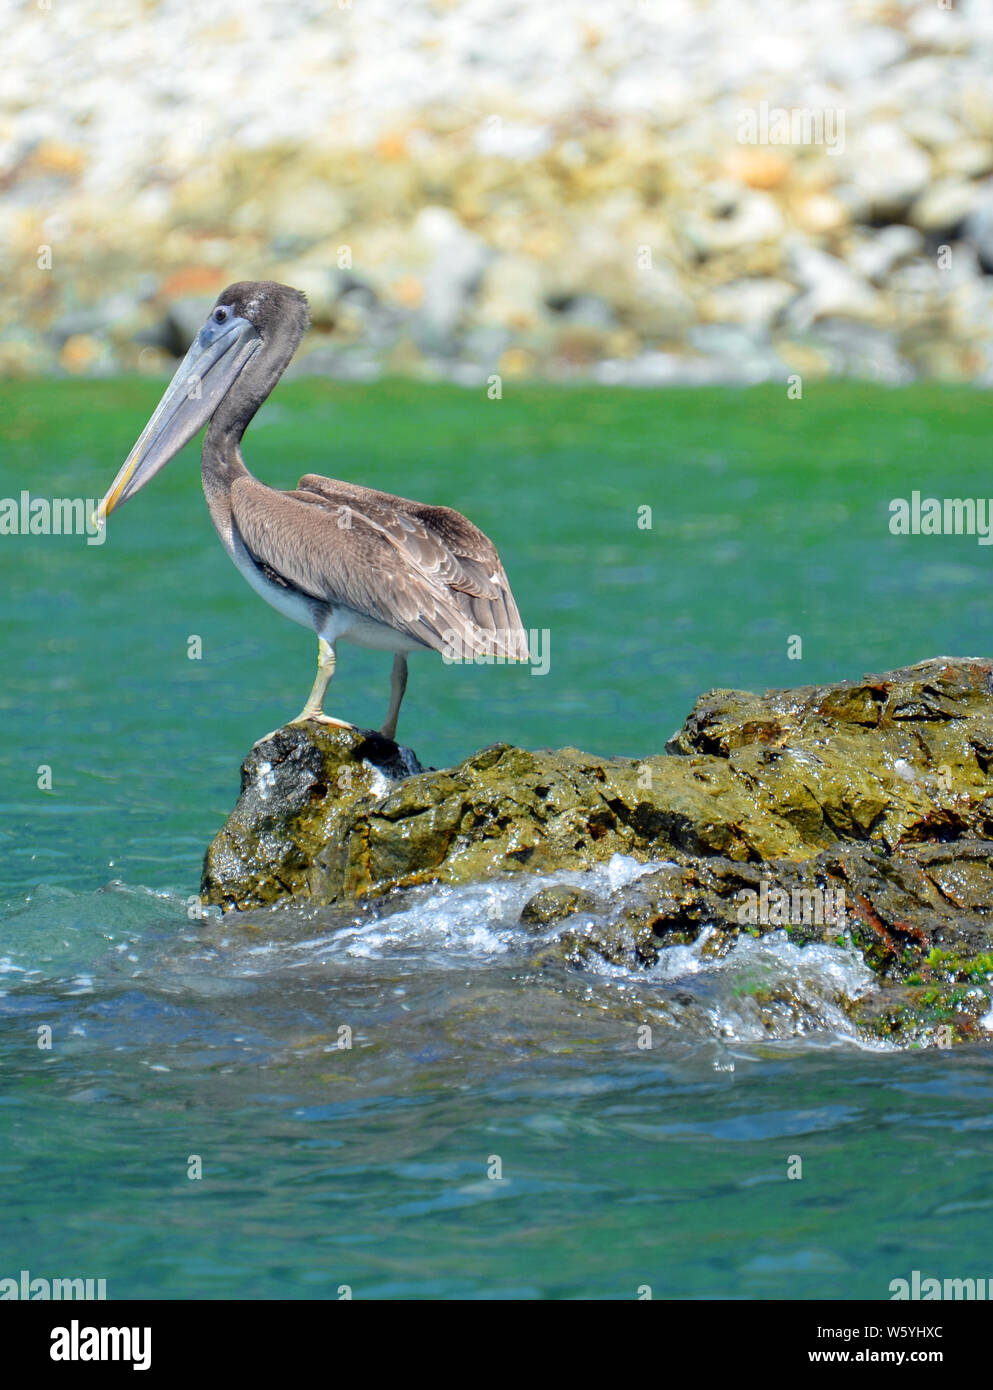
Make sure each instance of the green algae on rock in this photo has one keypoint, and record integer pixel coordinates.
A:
(875, 793)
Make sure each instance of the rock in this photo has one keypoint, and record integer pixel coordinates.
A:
(843, 347)
(859, 812)
(933, 128)
(832, 290)
(888, 170)
(486, 168)
(979, 226)
(758, 167)
(512, 140)
(511, 294)
(755, 303)
(944, 206)
(83, 353)
(658, 306)
(967, 159)
(921, 918)
(737, 219)
(309, 211)
(183, 320)
(661, 369)
(25, 356)
(585, 311)
(859, 59)
(297, 785)
(873, 255)
(822, 213)
(557, 902)
(739, 354)
(455, 263)
(970, 302)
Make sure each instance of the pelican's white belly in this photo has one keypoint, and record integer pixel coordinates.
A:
(290, 602)
(350, 626)
(332, 622)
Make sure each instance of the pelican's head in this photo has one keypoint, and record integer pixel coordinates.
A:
(251, 319)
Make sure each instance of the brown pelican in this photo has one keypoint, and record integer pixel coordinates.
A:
(350, 562)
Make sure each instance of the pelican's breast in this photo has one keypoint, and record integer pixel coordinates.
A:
(277, 591)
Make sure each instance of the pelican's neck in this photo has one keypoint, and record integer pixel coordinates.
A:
(222, 463)
(220, 467)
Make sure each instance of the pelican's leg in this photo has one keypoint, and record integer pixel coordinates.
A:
(398, 684)
(312, 710)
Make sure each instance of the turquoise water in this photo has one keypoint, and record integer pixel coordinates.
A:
(370, 1166)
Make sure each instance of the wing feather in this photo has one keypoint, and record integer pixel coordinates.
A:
(425, 571)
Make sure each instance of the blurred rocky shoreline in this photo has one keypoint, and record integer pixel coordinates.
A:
(665, 193)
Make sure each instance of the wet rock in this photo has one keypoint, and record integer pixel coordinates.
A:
(555, 903)
(857, 814)
(296, 786)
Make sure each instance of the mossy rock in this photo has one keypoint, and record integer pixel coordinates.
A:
(877, 789)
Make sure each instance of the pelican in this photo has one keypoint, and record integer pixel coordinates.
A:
(352, 563)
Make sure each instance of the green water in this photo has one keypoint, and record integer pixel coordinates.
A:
(369, 1166)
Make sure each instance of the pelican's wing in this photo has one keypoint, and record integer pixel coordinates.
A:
(443, 544)
(351, 546)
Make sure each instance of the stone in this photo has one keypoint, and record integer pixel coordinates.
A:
(832, 290)
(455, 263)
(555, 903)
(944, 206)
(887, 169)
(738, 219)
(967, 159)
(874, 254)
(757, 303)
(858, 813)
(481, 175)
(511, 294)
(979, 226)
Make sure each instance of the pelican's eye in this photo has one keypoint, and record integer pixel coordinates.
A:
(221, 314)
